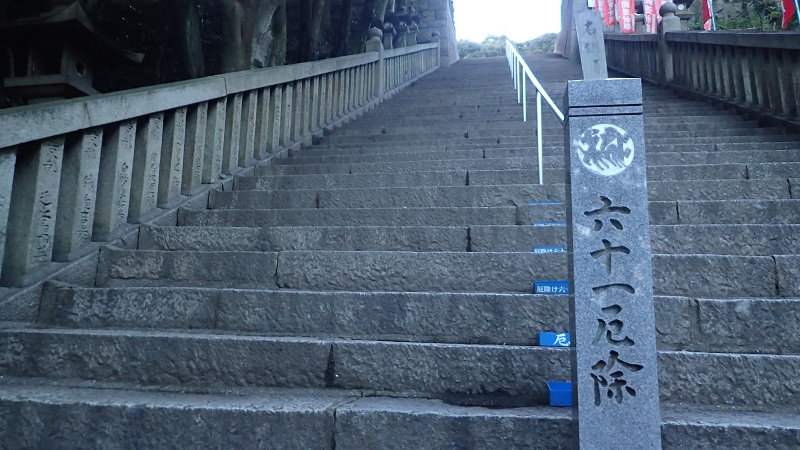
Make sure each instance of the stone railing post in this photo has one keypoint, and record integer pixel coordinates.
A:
(669, 22)
(614, 359)
(375, 44)
(8, 160)
(32, 215)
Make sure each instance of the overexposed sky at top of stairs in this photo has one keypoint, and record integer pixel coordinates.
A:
(520, 20)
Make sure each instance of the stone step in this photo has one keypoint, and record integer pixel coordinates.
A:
(398, 167)
(709, 135)
(335, 271)
(737, 325)
(356, 217)
(456, 372)
(742, 240)
(710, 276)
(382, 127)
(276, 239)
(694, 189)
(346, 421)
(413, 197)
(384, 157)
(492, 193)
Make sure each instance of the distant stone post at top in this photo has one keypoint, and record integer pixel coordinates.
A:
(614, 359)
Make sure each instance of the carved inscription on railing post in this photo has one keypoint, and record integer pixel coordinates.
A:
(172, 150)
(32, 218)
(614, 370)
(146, 159)
(114, 182)
(77, 195)
(8, 159)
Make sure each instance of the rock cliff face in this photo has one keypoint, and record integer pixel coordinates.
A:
(184, 39)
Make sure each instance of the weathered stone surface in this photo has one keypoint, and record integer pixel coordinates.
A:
(345, 181)
(611, 272)
(408, 271)
(753, 240)
(788, 273)
(272, 239)
(418, 423)
(748, 325)
(118, 267)
(33, 416)
(714, 276)
(739, 211)
(145, 175)
(8, 159)
(32, 210)
(173, 150)
(757, 382)
(114, 182)
(351, 217)
(383, 158)
(165, 358)
(77, 195)
(469, 371)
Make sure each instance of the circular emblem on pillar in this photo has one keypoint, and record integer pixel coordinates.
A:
(604, 149)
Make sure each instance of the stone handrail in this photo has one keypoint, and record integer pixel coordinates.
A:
(757, 73)
(80, 172)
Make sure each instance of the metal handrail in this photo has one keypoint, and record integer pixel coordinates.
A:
(519, 67)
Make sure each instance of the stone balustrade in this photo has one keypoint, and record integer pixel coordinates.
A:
(78, 172)
(758, 73)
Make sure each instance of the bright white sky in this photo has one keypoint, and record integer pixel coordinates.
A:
(520, 20)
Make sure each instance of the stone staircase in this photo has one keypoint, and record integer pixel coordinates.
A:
(374, 291)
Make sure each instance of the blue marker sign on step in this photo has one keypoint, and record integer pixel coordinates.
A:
(549, 224)
(545, 250)
(551, 287)
(550, 339)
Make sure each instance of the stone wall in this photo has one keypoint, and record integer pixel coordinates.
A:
(437, 16)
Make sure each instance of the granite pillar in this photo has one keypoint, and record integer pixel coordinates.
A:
(77, 195)
(263, 136)
(286, 118)
(173, 144)
(146, 159)
(614, 362)
(247, 141)
(233, 136)
(275, 122)
(8, 159)
(114, 182)
(33, 209)
(197, 167)
(215, 140)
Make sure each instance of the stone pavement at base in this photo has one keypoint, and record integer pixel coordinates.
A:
(374, 291)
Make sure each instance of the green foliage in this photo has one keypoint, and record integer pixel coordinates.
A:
(495, 46)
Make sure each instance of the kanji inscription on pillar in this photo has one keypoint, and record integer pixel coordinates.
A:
(614, 359)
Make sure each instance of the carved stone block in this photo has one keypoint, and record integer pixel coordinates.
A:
(146, 159)
(78, 195)
(114, 181)
(614, 362)
(173, 148)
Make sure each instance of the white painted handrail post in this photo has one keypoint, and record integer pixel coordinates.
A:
(521, 73)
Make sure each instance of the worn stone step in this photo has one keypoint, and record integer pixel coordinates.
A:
(399, 167)
(492, 193)
(345, 181)
(396, 197)
(449, 371)
(709, 135)
(336, 271)
(700, 212)
(742, 240)
(723, 157)
(383, 157)
(351, 217)
(367, 128)
(345, 421)
(710, 276)
(275, 239)
(738, 325)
